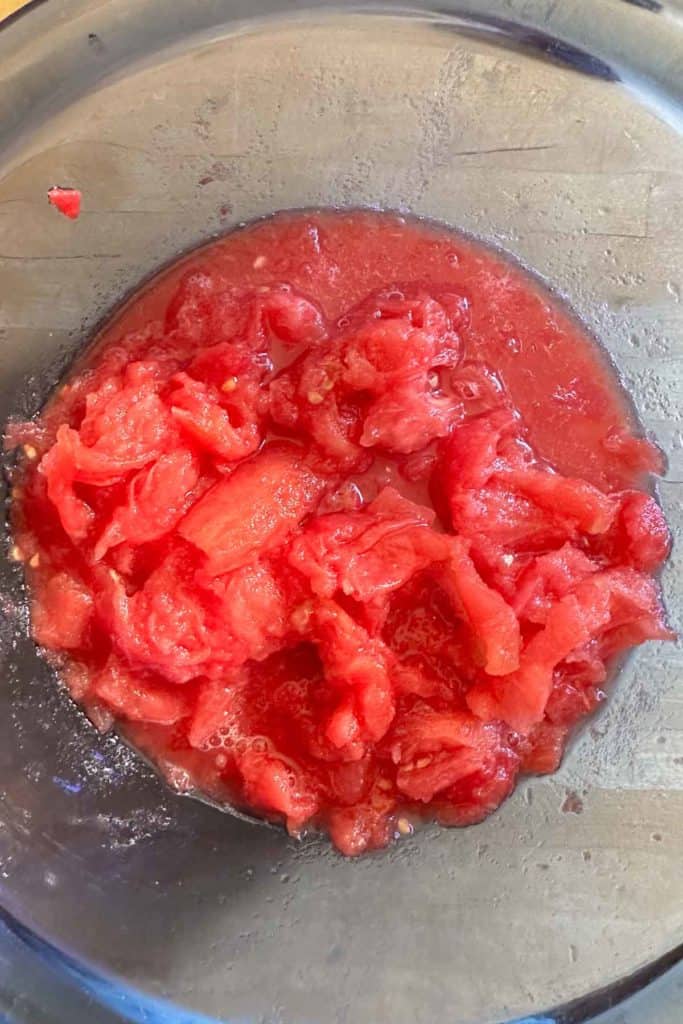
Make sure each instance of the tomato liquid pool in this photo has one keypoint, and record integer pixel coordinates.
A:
(342, 521)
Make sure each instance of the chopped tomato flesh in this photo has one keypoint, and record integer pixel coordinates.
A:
(252, 510)
(301, 527)
(66, 200)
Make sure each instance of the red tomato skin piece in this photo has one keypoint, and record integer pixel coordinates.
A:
(66, 200)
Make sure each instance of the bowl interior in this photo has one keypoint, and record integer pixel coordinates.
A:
(175, 133)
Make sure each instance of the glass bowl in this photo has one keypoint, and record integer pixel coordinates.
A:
(551, 130)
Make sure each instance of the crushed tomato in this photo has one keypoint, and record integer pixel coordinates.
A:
(66, 200)
(347, 519)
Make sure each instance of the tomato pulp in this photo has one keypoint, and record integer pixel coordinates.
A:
(66, 200)
(343, 521)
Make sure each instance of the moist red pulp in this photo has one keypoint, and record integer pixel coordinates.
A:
(66, 200)
(342, 521)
